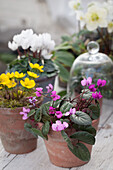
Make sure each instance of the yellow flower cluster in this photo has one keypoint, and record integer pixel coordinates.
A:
(36, 66)
(28, 83)
(31, 74)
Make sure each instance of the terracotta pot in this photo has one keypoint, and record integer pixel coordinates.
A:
(58, 151)
(14, 137)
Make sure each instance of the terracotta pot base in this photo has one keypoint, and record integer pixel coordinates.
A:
(19, 147)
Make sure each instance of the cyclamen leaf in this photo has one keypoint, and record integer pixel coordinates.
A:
(95, 111)
(32, 112)
(84, 137)
(28, 127)
(38, 133)
(81, 118)
(66, 107)
(66, 138)
(45, 128)
(80, 151)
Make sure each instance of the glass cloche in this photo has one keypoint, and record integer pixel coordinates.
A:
(92, 64)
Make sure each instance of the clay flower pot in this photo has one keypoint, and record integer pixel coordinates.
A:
(14, 137)
(59, 153)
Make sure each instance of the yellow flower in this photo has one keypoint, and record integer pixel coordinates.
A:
(19, 75)
(11, 84)
(4, 79)
(28, 83)
(1, 88)
(10, 75)
(31, 74)
(36, 66)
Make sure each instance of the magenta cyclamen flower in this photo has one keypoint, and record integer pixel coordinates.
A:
(59, 114)
(55, 96)
(87, 81)
(58, 126)
(39, 91)
(49, 88)
(92, 88)
(24, 113)
(97, 95)
(101, 83)
(71, 112)
(51, 110)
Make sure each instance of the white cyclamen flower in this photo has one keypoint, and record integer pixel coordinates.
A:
(80, 16)
(26, 33)
(96, 17)
(75, 4)
(47, 43)
(110, 27)
(36, 43)
(46, 55)
(17, 39)
(13, 46)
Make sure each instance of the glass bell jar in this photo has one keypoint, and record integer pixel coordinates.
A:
(92, 64)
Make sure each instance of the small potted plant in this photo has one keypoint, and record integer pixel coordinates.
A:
(68, 126)
(16, 92)
(34, 51)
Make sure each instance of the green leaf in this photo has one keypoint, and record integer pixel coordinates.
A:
(66, 107)
(66, 38)
(89, 128)
(32, 112)
(81, 118)
(95, 111)
(38, 132)
(28, 127)
(62, 93)
(38, 115)
(80, 151)
(64, 73)
(45, 128)
(66, 138)
(84, 137)
(66, 58)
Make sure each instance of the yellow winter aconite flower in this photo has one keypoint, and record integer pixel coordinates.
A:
(4, 79)
(19, 75)
(36, 66)
(10, 75)
(28, 83)
(31, 74)
(1, 88)
(11, 84)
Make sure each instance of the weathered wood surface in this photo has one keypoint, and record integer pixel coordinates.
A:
(102, 154)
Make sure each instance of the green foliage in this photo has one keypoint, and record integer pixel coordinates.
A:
(84, 137)
(45, 128)
(6, 57)
(31, 113)
(81, 118)
(66, 138)
(95, 111)
(81, 151)
(66, 107)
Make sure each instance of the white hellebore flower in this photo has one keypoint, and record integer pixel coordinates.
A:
(96, 17)
(80, 17)
(75, 4)
(110, 27)
(13, 46)
(109, 7)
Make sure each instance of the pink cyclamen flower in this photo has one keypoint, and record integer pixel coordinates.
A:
(39, 91)
(101, 83)
(71, 112)
(49, 88)
(51, 110)
(24, 113)
(92, 88)
(58, 126)
(87, 81)
(97, 95)
(59, 114)
(55, 96)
